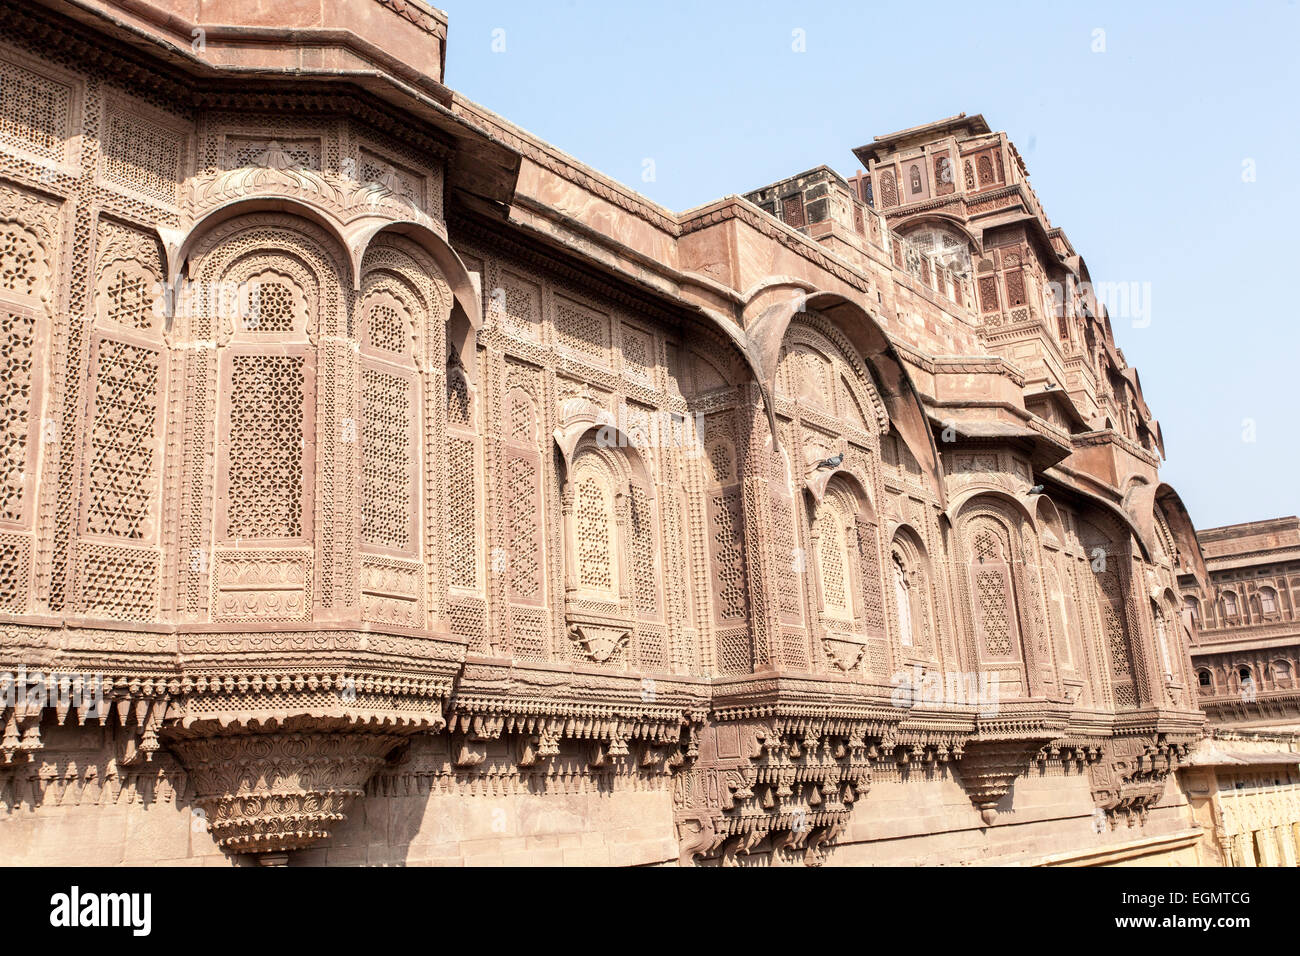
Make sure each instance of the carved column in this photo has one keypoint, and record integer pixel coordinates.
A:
(765, 625)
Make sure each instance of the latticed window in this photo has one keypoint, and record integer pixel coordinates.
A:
(1111, 602)
(1162, 640)
(524, 502)
(17, 339)
(462, 481)
(271, 308)
(130, 299)
(888, 189)
(1268, 600)
(995, 616)
(387, 328)
(265, 436)
(123, 475)
(592, 524)
(388, 445)
(834, 568)
(19, 259)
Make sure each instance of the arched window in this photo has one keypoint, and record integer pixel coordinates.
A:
(944, 170)
(909, 581)
(849, 576)
(916, 177)
(613, 604)
(995, 615)
(281, 287)
(1244, 675)
(1204, 680)
(888, 189)
(1282, 673)
(1162, 639)
(833, 529)
(1229, 604)
(902, 600)
(1268, 600)
(1193, 608)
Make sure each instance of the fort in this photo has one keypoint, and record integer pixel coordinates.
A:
(419, 495)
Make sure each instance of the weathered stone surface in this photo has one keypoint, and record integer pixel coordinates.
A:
(379, 485)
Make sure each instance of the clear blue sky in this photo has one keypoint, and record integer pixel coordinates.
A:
(1136, 151)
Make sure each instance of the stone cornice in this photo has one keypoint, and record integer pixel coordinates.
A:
(742, 210)
(568, 168)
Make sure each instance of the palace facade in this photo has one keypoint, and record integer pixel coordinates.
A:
(379, 484)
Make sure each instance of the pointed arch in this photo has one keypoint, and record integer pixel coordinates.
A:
(765, 328)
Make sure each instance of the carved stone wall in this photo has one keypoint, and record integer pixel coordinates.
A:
(348, 495)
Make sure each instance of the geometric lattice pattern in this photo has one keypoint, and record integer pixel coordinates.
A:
(17, 334)
(15, 572)
(1121, 661)
(582, 330)
(33, 110)
(728, 555)
(525, 538)
(130, 300)
(271, 308)
(834, 585)
(19, 261)
(462, 517)
(266, 447)
(122, 471)
(593, 526)
(873, 598)
(143, 157)
(121, 583)
(386, 438)
(991, 592)
(387, 328)
(643, 552)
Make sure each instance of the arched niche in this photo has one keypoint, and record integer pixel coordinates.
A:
(768, 317)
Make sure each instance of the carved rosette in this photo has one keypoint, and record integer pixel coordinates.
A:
(270, 791)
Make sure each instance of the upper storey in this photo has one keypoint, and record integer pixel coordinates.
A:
(405, 37)
(951, 206)
(1254, 579)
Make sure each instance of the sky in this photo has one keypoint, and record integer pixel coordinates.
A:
(1164, 138)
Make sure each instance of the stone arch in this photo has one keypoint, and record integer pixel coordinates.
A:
(183, 247)
(266, 288)
(997, 544)
(911, 573)
(845, 556)
(466, 313)
(766, 322)
(1049, 522)
(613, 585)
(1141, 501)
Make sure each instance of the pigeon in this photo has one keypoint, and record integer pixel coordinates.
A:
(1036, 490)
(833, 462)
